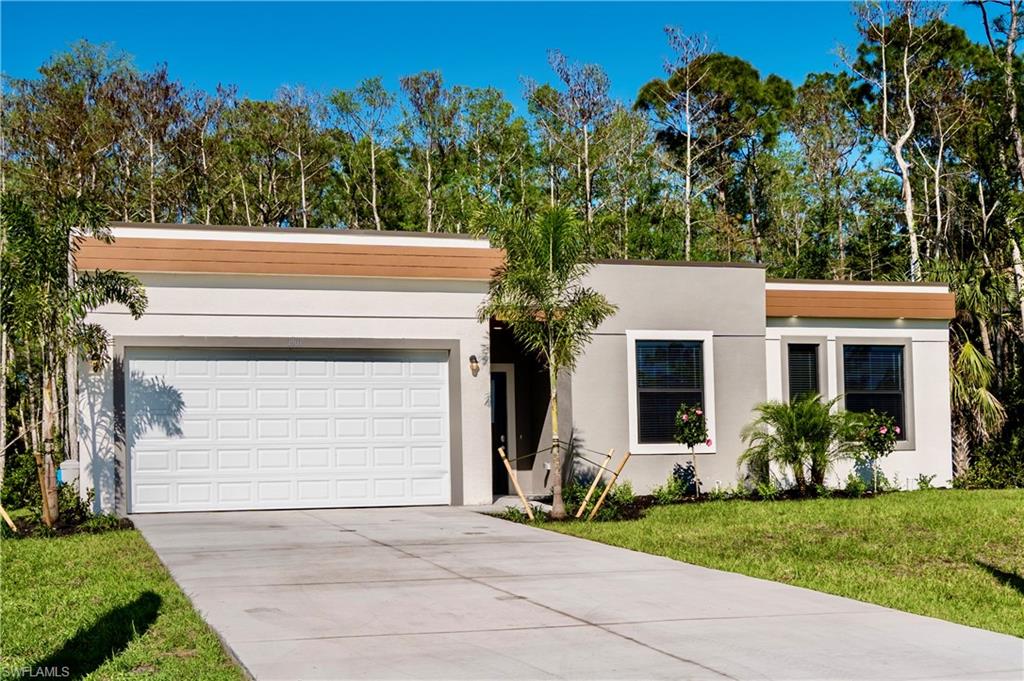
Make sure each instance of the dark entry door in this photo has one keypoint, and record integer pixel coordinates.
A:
(499, 431)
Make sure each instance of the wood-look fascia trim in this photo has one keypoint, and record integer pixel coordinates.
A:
(912, 304)
(260, 257)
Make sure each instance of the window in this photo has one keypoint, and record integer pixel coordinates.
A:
(803, 370)
(873, 378)
(665, 369)
(669, 373)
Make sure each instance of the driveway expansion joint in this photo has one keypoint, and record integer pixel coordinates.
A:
(581, 620)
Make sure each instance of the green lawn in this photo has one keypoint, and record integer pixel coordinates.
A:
(103, 606)
(957, 555)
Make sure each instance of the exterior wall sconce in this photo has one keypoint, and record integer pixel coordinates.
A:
(474, 365)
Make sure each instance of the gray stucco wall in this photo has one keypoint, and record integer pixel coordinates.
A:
(729, 301)
(319, 313)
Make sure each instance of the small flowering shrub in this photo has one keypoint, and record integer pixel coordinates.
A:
(691, 426)
(878, 441)
(880, 434)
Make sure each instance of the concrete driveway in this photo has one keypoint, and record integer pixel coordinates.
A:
(445, 593)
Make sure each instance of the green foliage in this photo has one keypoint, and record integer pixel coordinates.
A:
(767, 490)
(44, 312)
(879, 433)
(924, 481)
(73, 509)
(539, 293)
(673, 491)
(21, 486)
(620, 504)
(855, 485)
(805, 436)
(691, 426)
(518, 515)
(995, 468)
(716, 161)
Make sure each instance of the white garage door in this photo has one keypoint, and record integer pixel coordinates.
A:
(225, 429)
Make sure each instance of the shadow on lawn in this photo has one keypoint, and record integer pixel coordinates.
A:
(108, 636)
(1010, 579)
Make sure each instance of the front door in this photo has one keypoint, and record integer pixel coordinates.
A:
(500, 430)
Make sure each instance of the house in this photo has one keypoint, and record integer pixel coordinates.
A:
(281, 368)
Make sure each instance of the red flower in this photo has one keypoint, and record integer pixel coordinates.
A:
(708, 443)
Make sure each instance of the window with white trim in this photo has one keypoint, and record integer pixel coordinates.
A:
(667, 369)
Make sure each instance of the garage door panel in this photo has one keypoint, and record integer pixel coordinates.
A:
(258, 430)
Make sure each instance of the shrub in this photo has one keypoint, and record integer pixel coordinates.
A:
(680, 484)
(924, 481)
(767, 490)
(855, 485)
(513, 513)
(822, 491)
(21, 486)
(672, 492)
(719, 494)
(691, 426)
(878, 440)
(73, 509)
(105, 522)
(804, 436)
(996, 467)
(620, 504)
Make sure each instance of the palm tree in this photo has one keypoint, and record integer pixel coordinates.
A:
(977, 413)
(805, 435)
(539, 294)
(44, 306)
(983, 296)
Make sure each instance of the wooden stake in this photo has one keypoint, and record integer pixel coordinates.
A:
(7, 518)
(615, 476)
(515, 483)
(597, 478)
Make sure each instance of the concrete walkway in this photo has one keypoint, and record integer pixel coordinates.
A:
(444, 593)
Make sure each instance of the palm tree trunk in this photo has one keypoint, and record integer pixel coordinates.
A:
(557, 504)
(961, 451)
(49, 427)
(3, 403)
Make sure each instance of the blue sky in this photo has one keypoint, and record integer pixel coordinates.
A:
(260, 46)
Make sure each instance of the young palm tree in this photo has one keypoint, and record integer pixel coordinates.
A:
(539, 294)
(806, 436)
(977, 413)
(44, 306)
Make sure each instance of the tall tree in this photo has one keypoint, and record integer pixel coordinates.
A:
(429, 130)
(44, 312)
(823, 125)
(890, 63)
(366, 114)
(682, 107)
(576, 120)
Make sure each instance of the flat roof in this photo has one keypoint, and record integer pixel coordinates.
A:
(261, 229)
(682, 263)
(852, 282)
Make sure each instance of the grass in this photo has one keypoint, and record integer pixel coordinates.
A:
(101, 606)
(953, 554)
